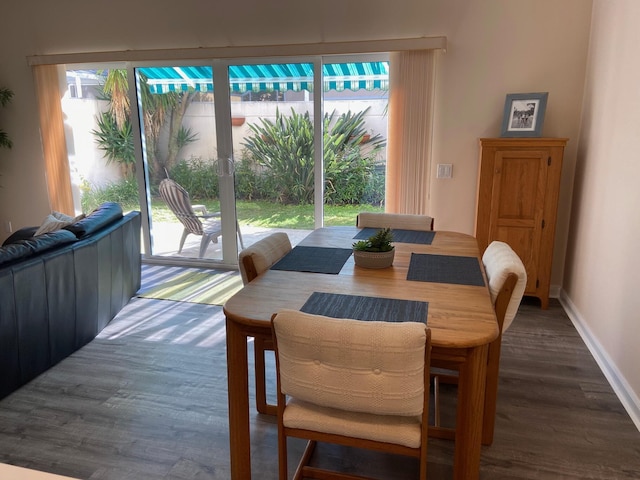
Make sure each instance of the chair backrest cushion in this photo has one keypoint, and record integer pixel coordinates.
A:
(359, 366)
(180, 204)
(499, 261)
(263, 254)
(400, 221)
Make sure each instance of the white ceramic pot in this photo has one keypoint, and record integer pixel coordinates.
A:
(374, 259)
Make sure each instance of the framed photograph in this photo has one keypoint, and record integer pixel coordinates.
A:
(524, 114)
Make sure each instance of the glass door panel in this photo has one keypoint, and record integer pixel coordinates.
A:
(101, 153)
(272, 115)
(180, 160)
(355, 98)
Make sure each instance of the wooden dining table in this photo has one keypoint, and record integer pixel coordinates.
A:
(461, 318)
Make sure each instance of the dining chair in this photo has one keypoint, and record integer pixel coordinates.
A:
(253, 261)
(397, 221)
(194, 218)
(355, 383)
(507, 279)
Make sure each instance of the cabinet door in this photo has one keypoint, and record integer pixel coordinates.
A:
(517, 204)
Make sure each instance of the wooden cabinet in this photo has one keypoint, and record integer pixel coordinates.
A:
(518, 185)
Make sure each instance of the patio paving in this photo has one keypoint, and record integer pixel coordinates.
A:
(166, 239)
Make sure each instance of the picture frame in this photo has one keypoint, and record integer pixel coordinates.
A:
(524, 114)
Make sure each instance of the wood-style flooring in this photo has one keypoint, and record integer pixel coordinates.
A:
(147, 399)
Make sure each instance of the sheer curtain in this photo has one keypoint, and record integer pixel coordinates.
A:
(48, 90)
(411, 81)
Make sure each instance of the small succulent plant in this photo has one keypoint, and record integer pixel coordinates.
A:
(378, 242)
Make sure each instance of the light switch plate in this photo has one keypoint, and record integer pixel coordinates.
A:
(445, 170)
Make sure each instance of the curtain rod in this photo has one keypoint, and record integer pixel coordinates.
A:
(200, 53)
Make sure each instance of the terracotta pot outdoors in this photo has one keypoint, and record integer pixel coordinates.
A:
(365, 138)
(237, 121)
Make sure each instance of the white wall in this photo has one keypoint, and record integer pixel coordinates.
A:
(199, 117)
(603, 260)
(495, 47)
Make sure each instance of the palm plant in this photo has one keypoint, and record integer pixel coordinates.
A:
(116, 141)
(5, 98)
(114, 132)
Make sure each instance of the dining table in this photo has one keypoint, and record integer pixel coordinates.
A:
(436, 276)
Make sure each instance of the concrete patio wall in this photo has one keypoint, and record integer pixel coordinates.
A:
(89, 164)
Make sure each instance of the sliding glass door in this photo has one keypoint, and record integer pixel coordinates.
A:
(224, 153)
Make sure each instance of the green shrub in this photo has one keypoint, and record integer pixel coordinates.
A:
(375, 189)
(284, 148)
(198, 177)
(283, 153)
(346, 178)
(249, 184)
(124, 192)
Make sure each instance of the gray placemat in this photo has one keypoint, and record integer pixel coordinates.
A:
(400, 236)
(445, 269)
(314, 260)
(366, 308)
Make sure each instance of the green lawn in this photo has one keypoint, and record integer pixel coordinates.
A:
(272, 215)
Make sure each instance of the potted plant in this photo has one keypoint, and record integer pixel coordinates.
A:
(5, 98)
(376, 251)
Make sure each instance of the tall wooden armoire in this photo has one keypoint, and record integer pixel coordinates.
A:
(518, 185)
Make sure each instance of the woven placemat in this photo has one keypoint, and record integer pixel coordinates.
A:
(445, 269)
(314, 260)
(366, 308)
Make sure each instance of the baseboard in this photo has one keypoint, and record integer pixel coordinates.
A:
(621, 387)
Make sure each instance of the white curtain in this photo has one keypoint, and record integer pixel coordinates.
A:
(411, 91)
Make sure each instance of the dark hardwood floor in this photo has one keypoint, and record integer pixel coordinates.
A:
(147, 399)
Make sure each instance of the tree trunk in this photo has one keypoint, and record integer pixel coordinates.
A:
(177, 115)
(155, 165)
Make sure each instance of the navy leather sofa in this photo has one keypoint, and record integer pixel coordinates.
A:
(59, 290)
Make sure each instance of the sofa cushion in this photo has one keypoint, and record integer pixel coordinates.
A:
(54, 221)
(102, 216)
(13, 253)
(31, 246)
(47, 241)
(23, 233)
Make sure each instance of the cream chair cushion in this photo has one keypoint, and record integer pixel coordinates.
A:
(400, 221)
(499, 261)
(400, 430)
(352, 377)
(354, 365)
(265, 253)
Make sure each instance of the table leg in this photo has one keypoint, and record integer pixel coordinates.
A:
(238, 394)
(471, 385)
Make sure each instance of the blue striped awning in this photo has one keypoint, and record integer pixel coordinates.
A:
(277, 76)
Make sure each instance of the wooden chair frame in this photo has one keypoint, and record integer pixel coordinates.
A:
(260, 346)
(304, 470)
(493, 370)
